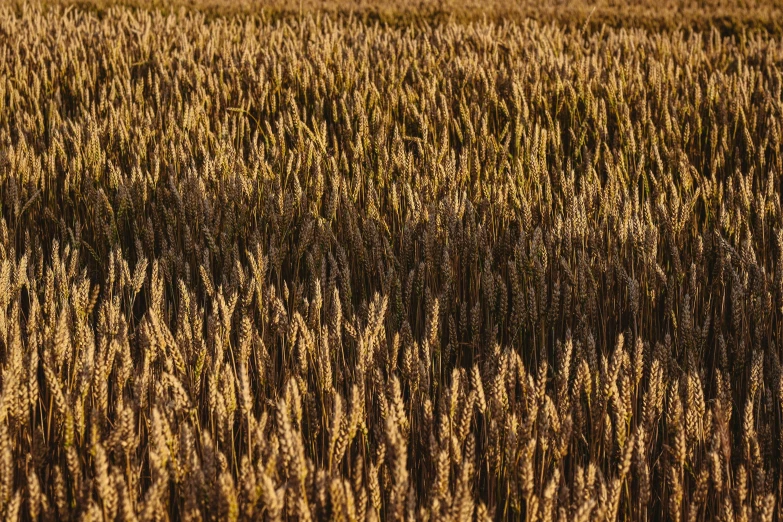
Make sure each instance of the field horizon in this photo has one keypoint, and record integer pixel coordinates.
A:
(730, 17)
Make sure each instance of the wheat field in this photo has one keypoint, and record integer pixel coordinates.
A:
(322, 267)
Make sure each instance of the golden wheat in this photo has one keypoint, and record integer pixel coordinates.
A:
(317, 267)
